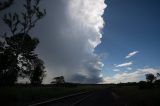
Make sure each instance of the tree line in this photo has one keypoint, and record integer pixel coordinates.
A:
(17, 49)
(151, 81)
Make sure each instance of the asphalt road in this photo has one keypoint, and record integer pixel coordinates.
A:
(97, 98)
(100, 98)
(67, 101)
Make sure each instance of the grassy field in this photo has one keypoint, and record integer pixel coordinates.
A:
(24, 95)
(133, 96)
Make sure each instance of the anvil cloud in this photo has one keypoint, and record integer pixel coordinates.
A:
(70, 33)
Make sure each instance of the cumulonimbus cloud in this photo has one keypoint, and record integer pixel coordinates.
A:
(124, 64)
(70, 33)
(131, 54)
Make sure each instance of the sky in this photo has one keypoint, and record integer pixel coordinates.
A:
(98, 41)
(130, 39)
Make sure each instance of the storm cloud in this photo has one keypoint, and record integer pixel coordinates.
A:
(68, 35)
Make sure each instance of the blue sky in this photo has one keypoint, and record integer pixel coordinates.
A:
(131, 25)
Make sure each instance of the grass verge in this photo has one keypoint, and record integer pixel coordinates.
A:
(133, 96)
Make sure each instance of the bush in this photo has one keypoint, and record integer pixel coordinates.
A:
(157, 82)
(145, 85)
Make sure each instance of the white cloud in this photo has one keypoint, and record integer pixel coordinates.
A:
(124, 64)
(70, 33)
(129, 68)
(116, 70)
(135, 76)
(131, 54)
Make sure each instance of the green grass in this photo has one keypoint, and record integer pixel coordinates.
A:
(139, 97)
(24, 95)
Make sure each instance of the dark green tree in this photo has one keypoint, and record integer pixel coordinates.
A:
(17, 50)
(157, 81)
(8, 68)
(37, 72)
(5, 4)
(158, 75)
(150, 77)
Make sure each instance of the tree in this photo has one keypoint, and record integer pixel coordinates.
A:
(8, 68)
(157, 81)
(58, 80)
(158, 75)
(17, 50)
(150, 78)
(37, 73)
(24, 22)
(6, 4)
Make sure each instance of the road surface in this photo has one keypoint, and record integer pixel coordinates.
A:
(99, 98)
(104, 97)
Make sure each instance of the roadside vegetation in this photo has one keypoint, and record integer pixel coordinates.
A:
(143, 93)
(133, 96)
